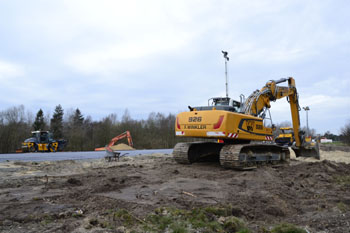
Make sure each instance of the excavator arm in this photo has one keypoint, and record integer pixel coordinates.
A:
(259, 100)
(115, 139)
(121, 136)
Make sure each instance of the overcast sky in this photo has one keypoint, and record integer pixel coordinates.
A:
(161, 56)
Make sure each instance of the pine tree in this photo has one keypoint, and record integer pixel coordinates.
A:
(57, 122)
(39, 123)
(78, 118)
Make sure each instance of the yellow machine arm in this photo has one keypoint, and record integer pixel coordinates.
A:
(260, 99)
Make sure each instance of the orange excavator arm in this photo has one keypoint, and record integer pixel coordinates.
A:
(121, 136)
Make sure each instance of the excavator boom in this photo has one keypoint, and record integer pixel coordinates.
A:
(260, 100)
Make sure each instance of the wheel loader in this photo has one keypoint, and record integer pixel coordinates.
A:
(241, 126)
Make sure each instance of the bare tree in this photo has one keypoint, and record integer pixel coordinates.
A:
(345, 133)
(13, 128)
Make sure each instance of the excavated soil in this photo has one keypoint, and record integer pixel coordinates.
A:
(119, 147)
(77, 196)
(122, 146)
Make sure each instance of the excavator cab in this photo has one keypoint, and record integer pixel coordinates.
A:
(221, 103)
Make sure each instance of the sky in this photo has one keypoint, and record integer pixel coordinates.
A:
(160, 56)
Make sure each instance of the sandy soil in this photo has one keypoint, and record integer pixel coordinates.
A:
(120, 146)
(75, 196)
(334, 156)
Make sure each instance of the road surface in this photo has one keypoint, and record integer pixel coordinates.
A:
(54, 156)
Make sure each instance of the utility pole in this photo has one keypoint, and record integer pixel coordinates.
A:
(307, 119)
(226, 60)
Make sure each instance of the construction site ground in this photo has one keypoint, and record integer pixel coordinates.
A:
(136, 194)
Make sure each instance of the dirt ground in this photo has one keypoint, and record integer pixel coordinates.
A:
(78, 196)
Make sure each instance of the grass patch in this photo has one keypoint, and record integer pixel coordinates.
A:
(219, 211)
(335, 143)
(209, 219)
(287, 228)
(342, 207)
(125, 217)
(46, 219)
(167, 219)
(342, 180)
(233, 224)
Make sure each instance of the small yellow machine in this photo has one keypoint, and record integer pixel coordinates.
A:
(286, 137)
(238, 125)
(42, 141)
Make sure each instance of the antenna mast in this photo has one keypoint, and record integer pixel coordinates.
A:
(226, 60)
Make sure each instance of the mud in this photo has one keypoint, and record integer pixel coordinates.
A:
(77, 196)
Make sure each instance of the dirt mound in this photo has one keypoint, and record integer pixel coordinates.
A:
(122, 146)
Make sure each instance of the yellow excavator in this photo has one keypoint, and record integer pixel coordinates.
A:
(241, 126)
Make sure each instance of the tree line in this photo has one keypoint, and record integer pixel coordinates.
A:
(83, 133)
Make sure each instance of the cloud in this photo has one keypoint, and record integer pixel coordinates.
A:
(277, 54)
(136, 33)
(324, 111)
(105, 56)
(8, 70)
(126, 56)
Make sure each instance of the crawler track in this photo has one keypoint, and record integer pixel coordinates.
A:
(251, 156)
(229, 156)
(186, 153)
(234, 156)
(180, 153)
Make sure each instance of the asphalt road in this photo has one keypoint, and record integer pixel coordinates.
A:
(53, 156)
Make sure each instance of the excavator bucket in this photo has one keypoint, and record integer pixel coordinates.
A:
(309, 150)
